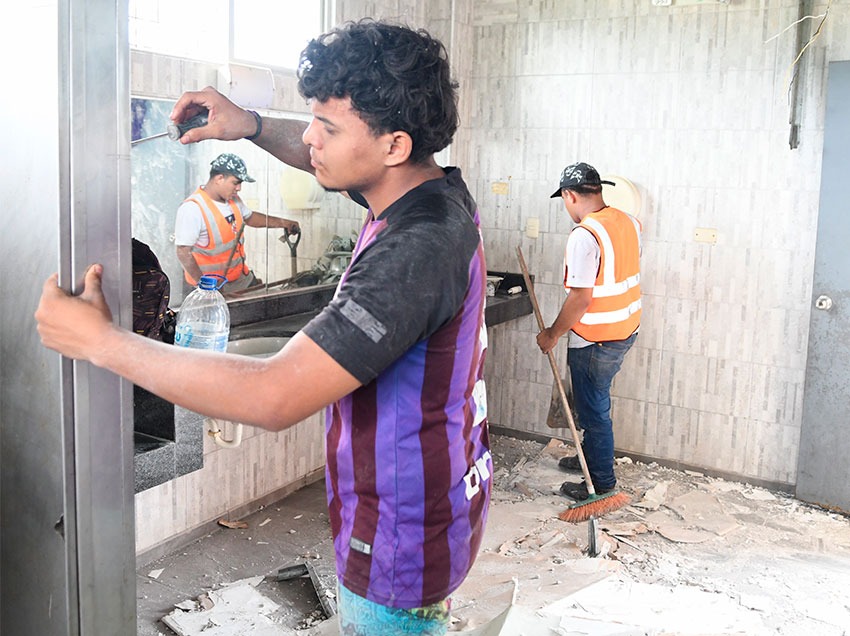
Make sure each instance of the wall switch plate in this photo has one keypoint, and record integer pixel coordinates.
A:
(532, 227)
(499, 187)
(705, 235)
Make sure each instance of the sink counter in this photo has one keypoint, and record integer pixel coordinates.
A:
(285, 326)
(500, 308)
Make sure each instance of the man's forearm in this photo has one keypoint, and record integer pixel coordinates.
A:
(81, 327)
(567, 317)
(181, 376)
(260, 220)
(184, 255)
(282, 138)
(575, 306)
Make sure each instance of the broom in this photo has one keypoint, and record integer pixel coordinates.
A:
(595, 505)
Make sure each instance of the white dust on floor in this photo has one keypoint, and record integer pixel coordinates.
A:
(690, 555)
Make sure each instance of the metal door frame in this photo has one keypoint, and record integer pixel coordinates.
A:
(97, 405)
(68, 541)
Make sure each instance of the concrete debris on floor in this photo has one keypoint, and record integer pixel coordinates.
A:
(293, 530)
(323, 578)
(647, 608)
(640, 609)
(691, 554)
(237, 608)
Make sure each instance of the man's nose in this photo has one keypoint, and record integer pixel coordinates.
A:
(307, 136)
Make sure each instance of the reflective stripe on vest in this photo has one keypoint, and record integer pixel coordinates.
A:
(213, 258)
(615, 310)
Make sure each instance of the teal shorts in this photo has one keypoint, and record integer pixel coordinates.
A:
(359, 616)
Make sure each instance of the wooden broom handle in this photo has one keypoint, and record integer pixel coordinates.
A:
(533, 297)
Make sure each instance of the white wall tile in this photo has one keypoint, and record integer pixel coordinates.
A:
(230, 478)
(691, 104)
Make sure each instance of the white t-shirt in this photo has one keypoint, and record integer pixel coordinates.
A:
(189, 227)
(581, 259)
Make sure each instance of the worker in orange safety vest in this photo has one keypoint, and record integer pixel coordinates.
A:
(601, 316)
(210, 223)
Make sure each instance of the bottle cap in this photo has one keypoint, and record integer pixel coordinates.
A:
(210, 281)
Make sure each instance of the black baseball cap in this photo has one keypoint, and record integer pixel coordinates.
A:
(577, 176)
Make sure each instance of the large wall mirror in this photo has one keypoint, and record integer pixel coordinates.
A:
(165, 172)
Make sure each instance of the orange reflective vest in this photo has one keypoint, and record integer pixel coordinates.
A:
(223, 245)
(614, 313)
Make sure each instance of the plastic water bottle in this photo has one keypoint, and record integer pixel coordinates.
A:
(203, 321)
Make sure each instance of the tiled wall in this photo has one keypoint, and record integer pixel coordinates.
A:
(232, 478)
(690, 103)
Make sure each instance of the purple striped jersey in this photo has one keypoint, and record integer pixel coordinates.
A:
(408, 470)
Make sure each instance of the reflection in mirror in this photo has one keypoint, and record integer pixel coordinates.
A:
(166, 59)
(165, 172)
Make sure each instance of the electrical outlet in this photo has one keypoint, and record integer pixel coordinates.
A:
(532, 227)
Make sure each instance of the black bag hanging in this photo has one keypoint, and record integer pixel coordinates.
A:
(152, 317)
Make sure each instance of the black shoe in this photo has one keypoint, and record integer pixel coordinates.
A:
(578, 491)
(570, 462)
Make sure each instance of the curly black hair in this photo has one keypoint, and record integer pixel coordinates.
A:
(396, 78)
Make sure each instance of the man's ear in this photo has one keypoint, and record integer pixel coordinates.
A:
(401, 145)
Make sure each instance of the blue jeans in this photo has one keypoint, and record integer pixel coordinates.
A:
(592, 369)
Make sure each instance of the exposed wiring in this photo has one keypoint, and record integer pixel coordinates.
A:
(793, 24)
(793, 68)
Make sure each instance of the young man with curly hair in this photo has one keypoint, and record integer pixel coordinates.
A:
(397, 356)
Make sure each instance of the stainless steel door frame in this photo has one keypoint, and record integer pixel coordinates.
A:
(823, 469)
(67, 554)
(99, 194)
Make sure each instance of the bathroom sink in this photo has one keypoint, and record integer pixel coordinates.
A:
(260, 347)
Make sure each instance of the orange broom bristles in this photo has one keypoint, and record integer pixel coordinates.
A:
(594, 506)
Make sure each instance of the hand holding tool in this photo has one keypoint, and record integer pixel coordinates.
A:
(292, 246)
(175, 131)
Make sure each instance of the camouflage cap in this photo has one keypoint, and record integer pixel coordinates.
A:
(231, 164)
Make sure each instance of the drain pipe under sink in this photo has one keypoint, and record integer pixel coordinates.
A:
(216, 433)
